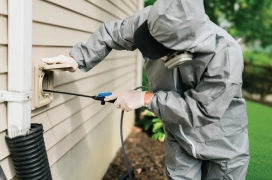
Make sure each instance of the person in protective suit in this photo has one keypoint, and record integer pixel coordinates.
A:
(195, 71)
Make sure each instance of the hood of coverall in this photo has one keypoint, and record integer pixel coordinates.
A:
(176, 24)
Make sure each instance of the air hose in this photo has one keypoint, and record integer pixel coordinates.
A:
(29, 156)
(101, 98)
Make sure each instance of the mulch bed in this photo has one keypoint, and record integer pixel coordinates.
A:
(145, 156)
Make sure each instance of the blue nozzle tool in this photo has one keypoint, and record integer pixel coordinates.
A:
(104, 94)
(99, 97)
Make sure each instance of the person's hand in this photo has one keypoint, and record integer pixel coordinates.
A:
(127, 100)
(61, 59)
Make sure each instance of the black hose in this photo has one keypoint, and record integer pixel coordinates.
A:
(126, 175)
(29, 156)
(129, 173)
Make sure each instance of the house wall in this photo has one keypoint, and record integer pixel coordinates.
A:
(81, 136)
(5, 162)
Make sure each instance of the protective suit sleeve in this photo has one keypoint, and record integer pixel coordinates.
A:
(170, 106)
(110, 35)
(208, 101)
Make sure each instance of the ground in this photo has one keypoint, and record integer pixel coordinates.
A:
(145, 155)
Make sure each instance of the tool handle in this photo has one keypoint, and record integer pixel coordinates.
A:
(101, 96)
(111, 101)
(102, 100)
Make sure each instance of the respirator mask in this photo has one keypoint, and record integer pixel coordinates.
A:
(176, 59)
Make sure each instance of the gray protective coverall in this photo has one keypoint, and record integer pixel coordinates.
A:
(200, 102)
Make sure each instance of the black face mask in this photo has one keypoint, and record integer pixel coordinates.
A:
(148, 45)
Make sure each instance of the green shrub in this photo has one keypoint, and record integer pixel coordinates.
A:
(152, 125)
(257, 58)
(257, 73)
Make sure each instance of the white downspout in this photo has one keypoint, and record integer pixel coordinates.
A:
(19, 65)
(139, 54)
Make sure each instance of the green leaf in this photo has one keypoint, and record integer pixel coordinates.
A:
(156, 120)
(159, 136)
(157, 127)
(150, 114)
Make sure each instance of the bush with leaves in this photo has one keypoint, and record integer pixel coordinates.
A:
(152, 125)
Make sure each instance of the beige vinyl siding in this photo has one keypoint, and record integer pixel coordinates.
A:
(85, 9)
(69, 121)
(123, 6)
(5, 161)
(3, 54)
(104, 73)
(62, 81)
(3, 76)
(109, 8)
(4, 149)
(8, 167)
(3, 7)
(56, 36)
(3, 58)
(66, 18)
(131, 5)
(3, 81)
(135, 4)
(3, 49)
(3, 121)
(82, 164)
(3, 29)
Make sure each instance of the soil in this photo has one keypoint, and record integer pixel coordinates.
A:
(145, 156)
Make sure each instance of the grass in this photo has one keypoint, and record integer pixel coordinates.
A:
(257, 58)
(260, 140)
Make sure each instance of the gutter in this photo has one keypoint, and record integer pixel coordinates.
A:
(19, 66)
